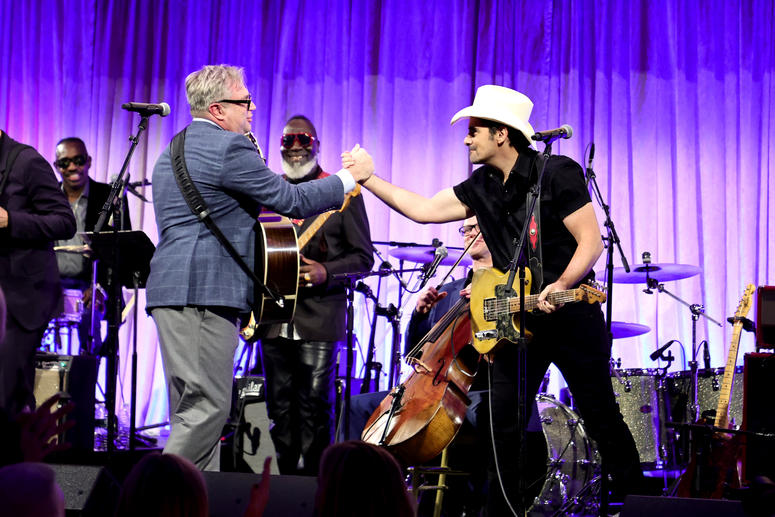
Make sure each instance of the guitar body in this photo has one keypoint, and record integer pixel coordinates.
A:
(495, 306)
(487, 284)
(713, 467)
(277, 265)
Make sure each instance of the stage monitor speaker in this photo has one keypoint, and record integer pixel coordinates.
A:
(759, 382)
(228, 494)
(765, 316)
(75, 377)
(248, 441)
(648, 506)
(89, 490)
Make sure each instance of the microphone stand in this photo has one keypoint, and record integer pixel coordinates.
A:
(111, 346)
(506, 330)
(611, 239)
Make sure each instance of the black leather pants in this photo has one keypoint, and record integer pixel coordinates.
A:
(300, 400)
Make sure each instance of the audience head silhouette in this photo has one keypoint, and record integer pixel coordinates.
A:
(360, 479)
(163, 485)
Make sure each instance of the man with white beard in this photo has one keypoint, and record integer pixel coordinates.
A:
(300, 357)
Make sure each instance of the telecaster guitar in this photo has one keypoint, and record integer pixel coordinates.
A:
(713, 466)
(492, 303)
(277, 243)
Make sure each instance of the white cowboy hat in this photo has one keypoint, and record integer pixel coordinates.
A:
(499, 104)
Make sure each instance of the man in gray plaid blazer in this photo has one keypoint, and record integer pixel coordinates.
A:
(196, 290)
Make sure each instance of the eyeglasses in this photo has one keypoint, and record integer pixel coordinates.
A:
(64, 163)
(304, 139)
(247, 102)
(463, 230)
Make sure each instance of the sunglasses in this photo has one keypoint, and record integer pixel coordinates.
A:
(467, 228)
(64, 163)
(304, 139)
(247, 102)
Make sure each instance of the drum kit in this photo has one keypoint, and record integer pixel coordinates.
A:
(59, 336)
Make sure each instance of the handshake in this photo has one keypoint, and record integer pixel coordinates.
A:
(359, 163)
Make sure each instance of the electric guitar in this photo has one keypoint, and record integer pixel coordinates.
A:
(277, 265)
(714, 457)
(495, 307)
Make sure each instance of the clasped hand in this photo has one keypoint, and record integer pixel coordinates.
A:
(359, 163)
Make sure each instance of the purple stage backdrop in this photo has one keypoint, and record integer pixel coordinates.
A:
(678, 97)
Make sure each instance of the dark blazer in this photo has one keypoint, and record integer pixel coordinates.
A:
(38, 214)
(190, 267)
(342, 245)
(98, 194)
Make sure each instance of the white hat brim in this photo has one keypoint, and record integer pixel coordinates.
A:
(520, 125)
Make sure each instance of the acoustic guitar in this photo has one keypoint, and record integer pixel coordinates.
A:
(495, 308)
(277, 265)
(713, 466)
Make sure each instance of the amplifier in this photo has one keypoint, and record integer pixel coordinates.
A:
(247, 441)
(75, 378)
(765, 316)
(759, 459)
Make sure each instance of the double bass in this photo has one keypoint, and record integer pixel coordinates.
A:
(422, 415)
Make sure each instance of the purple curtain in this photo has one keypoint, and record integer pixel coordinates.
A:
(677, 96)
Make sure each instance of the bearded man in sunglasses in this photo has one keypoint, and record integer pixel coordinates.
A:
(300, 357)
(86, 197)
(33, 213)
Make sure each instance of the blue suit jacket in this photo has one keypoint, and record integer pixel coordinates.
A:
(190, 267)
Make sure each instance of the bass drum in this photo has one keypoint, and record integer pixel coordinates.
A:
(573, 465)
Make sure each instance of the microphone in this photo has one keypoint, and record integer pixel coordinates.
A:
(550, 134)
(135, 184)
(655, 355)
(439, 255)
(146, 110)
(706, 354)
(589, 164)
(366, 290)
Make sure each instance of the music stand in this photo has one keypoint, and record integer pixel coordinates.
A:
(135, 250)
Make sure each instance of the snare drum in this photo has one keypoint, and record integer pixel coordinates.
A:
(72, 310)
(573, 462)
(635, 390)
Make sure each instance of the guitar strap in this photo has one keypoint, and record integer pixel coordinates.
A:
(198, 206)
(534, 255)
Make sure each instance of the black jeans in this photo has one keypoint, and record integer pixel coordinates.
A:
(573, 338)
(300, 400)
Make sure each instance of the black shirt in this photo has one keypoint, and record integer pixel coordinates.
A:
(501, 208)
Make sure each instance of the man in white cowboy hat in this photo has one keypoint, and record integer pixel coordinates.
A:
(571, 336)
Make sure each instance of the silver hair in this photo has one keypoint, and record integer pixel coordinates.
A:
(211, 83)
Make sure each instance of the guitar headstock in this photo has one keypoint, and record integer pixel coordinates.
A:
(347, 197)
(745, 302)
(591, 293)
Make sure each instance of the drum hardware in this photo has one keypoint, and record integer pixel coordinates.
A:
(572, 476)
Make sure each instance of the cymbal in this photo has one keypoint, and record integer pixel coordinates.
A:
(620, 329)
(424, 255)
(659, 272)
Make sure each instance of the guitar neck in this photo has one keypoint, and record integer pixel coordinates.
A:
(531, 301)
(313, 228)
(722, 409)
